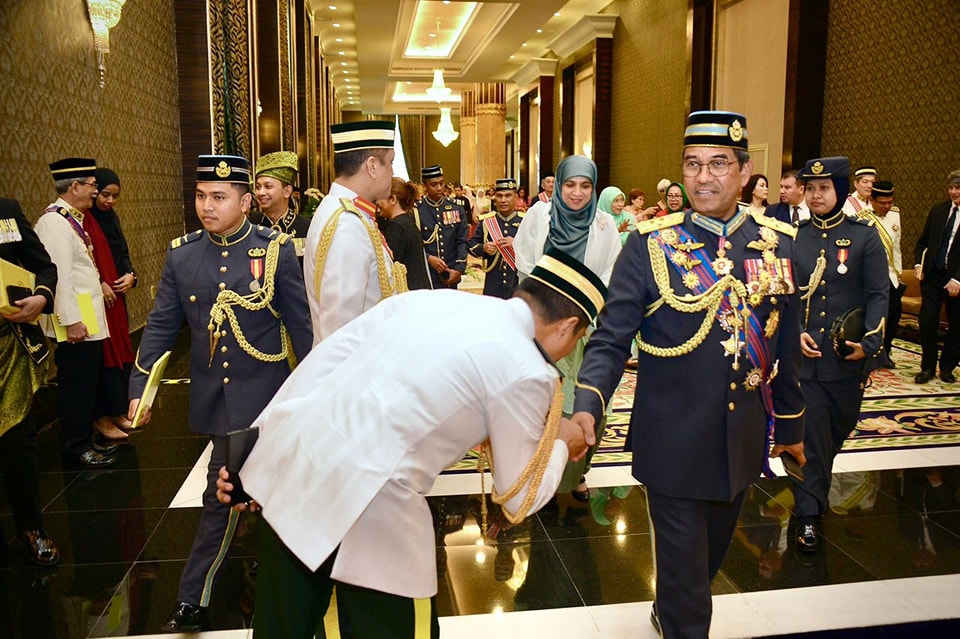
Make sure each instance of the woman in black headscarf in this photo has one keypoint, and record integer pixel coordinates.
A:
(840, 265)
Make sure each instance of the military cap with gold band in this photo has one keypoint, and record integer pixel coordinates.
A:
(73, 169)
(366, 134)
(506, 184)
(716, 128)
(231, 169)
(832, 167)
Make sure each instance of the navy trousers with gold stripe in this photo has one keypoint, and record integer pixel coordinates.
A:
(214, 534)
(295, 603)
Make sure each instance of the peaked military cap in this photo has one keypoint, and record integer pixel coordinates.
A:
(572, 279)
(430, 172)
(367, 134)
(506, 184)
(864, 170)
(73, 169)
(281, 165)
(716, 128)
(832, 167)
(232, 169)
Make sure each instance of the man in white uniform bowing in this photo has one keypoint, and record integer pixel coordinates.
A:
(352, 443)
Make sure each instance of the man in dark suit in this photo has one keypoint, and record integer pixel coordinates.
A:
(937, 262)
(240, 288)
(26, 359)
(744, 354)
(792, 208)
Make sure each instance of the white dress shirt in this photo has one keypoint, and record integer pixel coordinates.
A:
(350, 281)
(354, 439)
(76, 273)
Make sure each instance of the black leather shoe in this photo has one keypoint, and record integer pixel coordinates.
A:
(93, 459)
(947, 378)
(581, 495)
(808, 539)
(42, 549)
(103, 449)
(923, 377)
(655, 619)
(186, 618)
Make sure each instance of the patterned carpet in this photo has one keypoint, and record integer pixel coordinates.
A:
(896, 413)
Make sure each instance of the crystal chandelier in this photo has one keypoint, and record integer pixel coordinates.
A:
(438, 90)
(104, 15)
(445, 133)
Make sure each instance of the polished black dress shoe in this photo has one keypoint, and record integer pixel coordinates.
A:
(947, 378)
(93, 459)
(186, 618)
(103, 449)
(581, 495)
(655, 619)
(42, 549)
(923, 377)
(808, 539)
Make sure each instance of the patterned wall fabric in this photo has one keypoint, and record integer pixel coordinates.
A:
(650, 93)
(286, 42)
(230, 71)
(892, 97)
(52, 108)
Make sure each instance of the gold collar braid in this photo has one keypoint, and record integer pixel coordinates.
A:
(532, 473)
(709, 302)
(387, 288)
(222, 309)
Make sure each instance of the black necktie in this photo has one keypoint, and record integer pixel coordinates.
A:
(796, 214)
(947, 236)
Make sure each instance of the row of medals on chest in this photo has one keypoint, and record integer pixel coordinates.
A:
(761, 282)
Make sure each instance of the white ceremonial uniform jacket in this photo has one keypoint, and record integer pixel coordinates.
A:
(891, 222)
(854, 204)
(350, 281)
(76, 273)
(354, 439)
(603, 242)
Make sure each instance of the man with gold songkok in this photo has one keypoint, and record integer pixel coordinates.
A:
(240, 289)
(24, 361)
(276, 179)
(709, 296)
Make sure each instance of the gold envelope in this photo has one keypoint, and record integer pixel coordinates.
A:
(13, 275)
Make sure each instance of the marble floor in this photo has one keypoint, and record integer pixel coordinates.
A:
(890, 566)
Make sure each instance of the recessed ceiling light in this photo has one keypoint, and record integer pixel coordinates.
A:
(336, 25)
(539, 30)
(343, 64)
(524, 44)
(446, 1)
(432, 35)
(346, 79)
(332, 7)
(556, 15)
(339, 39)
(409, 82)
(344, 53)
(345, 72)
(512, 57)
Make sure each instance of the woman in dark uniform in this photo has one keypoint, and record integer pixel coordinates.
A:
(402, 234)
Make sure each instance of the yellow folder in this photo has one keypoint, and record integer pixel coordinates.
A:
(87, 315)
(150, 390)
(12, 275)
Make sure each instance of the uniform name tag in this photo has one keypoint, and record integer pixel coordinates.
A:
(9, 231)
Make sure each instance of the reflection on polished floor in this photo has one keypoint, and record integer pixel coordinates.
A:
(580, 570)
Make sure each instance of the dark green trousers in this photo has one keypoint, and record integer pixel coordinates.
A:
(292, 602)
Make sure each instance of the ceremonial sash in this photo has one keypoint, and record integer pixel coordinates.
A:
(857, 205)
(493, 229)
(882, 231)
(78, 229)
(370, 211)
(752, 332)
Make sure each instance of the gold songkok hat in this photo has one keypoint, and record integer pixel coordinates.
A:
(281, 165)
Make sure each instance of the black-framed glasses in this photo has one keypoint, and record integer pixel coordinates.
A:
(717, 167)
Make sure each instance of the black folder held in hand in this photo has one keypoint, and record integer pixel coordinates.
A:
(239, 445)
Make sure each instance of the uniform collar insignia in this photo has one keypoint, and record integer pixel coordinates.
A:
(717, 227)
(828, 222)
(233, 238)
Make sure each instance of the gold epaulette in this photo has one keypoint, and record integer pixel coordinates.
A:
(272, 234)
(658, 223)
(521, 214)
(189, 237)
(866, 221)
(485, 215)
(894, 209)
(348, 205)
(776, 225)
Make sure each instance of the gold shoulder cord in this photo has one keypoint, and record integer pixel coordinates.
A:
(818, 270)
(323, 247)
(708, 301)
(223, 309)
(532, 473)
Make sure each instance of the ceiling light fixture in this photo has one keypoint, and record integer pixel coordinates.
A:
(336, 25)
(104, 15)
(438, 90)
(445, 133)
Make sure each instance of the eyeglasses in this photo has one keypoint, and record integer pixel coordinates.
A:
(674, 196)
(93, 184)
(717, 167)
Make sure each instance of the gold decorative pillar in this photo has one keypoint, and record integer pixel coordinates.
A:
(468, 138)
(491, 119)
